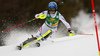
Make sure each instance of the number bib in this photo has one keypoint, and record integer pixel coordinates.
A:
(52, 22)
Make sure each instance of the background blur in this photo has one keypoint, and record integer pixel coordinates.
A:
(14, 12)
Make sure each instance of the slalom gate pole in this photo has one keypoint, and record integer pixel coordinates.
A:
(93, 9)
(18, 25)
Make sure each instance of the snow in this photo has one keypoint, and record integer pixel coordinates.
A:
(78, 45)
(66, 46)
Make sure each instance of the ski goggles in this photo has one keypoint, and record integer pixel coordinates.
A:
(52, 9)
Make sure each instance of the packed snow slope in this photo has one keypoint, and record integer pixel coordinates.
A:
(77, 45)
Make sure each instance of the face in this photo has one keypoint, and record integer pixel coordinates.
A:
(52, 10)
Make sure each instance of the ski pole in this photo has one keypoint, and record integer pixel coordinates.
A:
(85, 34)
(18, 25)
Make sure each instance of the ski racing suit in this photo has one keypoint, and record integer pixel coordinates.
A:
(51, 23)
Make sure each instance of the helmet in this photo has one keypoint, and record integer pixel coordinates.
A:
(52, 5)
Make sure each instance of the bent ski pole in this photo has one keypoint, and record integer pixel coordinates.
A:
(18, 25)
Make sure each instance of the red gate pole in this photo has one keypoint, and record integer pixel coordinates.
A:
(93, 9)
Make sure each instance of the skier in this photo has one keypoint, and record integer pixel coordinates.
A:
(52, 20)
(49, 28)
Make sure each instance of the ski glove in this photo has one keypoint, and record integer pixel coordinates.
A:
(71, 32)
(41, 16)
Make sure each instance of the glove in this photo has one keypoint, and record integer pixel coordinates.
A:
(71, 32)
(41, 16)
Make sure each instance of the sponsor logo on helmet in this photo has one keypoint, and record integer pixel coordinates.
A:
(51, 4)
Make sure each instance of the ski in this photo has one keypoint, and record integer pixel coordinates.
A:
(38, 44)
(20, 47)
(34, 40)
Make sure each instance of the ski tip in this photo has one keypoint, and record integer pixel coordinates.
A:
(38, 44)
(19, 47)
